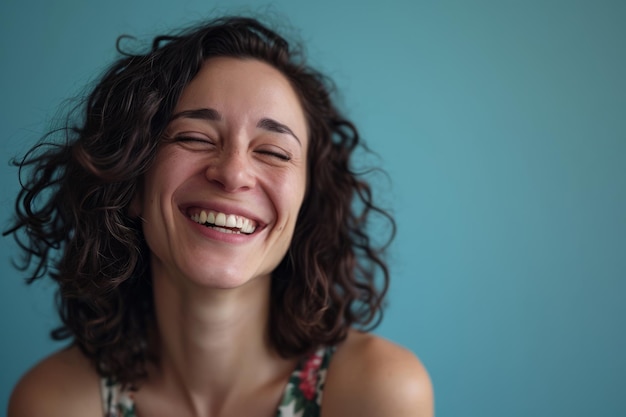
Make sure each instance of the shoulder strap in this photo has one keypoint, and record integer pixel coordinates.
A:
(303, 394)
(115, 402)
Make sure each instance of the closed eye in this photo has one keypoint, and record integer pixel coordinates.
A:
(192, 139)
(281, 156)
(194, 143)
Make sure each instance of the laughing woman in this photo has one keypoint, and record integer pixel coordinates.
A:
(201, 225)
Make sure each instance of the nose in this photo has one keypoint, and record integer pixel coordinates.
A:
(232, 171)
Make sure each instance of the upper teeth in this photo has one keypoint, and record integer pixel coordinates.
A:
(225, 220)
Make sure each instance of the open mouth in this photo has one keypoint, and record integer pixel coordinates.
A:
(222, 222)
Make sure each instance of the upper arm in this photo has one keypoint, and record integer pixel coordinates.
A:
(63, 384)
(371, 377)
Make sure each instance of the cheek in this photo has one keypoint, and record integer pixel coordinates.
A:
(292, 195)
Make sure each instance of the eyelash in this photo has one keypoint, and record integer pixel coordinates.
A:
(192, 139)
(278, 155)
(281, 156)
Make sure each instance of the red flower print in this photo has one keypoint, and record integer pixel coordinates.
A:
(309, 376)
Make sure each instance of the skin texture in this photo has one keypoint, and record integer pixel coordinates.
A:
(238, 146)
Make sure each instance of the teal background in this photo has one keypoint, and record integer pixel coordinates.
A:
(502, 126)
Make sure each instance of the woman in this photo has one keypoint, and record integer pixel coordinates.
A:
(212, 261)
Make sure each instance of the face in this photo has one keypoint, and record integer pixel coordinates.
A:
(219, 205)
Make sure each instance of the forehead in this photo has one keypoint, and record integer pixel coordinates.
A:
(242, 89)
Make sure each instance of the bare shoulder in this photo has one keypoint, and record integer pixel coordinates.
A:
(63, 384)
(371, 377)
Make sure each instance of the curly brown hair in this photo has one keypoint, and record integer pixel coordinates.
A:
(72, 221)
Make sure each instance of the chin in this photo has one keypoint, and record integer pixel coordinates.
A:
(226, 279)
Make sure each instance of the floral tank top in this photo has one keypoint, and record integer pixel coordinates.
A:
(302, 396)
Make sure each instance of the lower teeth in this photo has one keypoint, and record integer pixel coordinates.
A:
(221, 229)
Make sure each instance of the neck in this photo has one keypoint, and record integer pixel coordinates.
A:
(211, 339)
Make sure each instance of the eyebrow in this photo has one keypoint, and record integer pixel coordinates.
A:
(274, 126)
(268, 124)
(203, 114)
